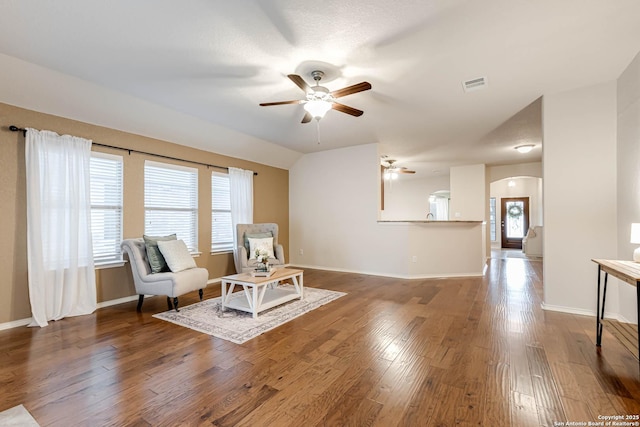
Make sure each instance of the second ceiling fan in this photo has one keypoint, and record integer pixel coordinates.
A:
(391, 171)
(319, 99)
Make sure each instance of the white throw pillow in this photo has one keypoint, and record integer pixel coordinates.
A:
(264, 245)
(177, 255)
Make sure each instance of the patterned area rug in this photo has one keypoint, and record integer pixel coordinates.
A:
(17, 416)
(239, 327)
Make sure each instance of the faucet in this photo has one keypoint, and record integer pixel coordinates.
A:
(430, 214)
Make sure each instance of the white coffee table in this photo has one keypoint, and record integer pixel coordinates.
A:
(260, 293)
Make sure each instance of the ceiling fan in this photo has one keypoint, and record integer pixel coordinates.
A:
(319, 99)
(391, 171)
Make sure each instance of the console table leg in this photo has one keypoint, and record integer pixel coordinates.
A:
(598, 325)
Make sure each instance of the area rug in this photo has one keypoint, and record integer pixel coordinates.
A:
(239, 327)
(17, 416)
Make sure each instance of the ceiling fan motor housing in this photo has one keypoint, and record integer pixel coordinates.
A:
(317, 92)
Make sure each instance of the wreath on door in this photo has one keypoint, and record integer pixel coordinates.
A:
(514, 211)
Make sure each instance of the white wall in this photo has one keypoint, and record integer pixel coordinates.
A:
(446, 249)
(468, 193)
(579, 167)
(628, 91)
(524, 187)
(333, 205)
(496, 173)
(407, 198)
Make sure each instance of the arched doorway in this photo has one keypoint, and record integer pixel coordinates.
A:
(516, 205)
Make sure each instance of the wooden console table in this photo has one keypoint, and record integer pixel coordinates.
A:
(629, 272)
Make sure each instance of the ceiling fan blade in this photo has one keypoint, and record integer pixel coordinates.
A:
(346, 109)
(307, 117)
(404, 171)
(299, 81)
(351, 89)
(266, 104)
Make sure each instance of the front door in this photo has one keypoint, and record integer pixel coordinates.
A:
(515, 221)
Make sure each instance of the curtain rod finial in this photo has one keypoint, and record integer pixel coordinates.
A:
(13, 128)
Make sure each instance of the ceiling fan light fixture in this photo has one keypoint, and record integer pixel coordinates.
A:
(524, 148)
(389, 175)
(317, 108)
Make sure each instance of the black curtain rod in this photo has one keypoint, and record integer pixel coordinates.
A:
(13, 128)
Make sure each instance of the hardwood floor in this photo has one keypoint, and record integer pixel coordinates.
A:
(466, 351)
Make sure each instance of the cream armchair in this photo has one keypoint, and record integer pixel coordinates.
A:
(170, 284)
(244, 261)
(532, 242)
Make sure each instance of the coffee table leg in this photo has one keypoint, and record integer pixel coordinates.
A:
(299, 285)
(224, 294)
(254, 295)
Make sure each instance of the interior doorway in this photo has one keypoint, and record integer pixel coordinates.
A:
(514, 221)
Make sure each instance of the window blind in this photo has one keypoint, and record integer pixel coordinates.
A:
(171, 202)
(106, 207)
(221, 225)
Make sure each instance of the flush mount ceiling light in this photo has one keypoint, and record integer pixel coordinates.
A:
(524, 148)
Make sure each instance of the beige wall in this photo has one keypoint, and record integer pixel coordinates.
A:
(271, 202)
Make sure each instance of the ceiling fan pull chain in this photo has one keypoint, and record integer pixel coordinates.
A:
(318, 130)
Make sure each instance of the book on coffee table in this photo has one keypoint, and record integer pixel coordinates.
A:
(262, 273)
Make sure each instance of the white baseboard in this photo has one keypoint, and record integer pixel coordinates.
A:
(25, 322)
(15, 324)
(582, 312)
(395, 276)
(116, 301)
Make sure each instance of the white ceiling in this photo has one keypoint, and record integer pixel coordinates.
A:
(217, 60)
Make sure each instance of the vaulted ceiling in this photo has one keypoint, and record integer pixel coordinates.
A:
(216, 61)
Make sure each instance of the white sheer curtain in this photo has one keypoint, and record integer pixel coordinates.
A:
(442, 208)
(241, 193)
(59, 247)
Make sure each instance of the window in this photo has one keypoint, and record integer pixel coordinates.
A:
(106, 207)
(439, 205)
(492, 218)
(221, 226)
(171, 202)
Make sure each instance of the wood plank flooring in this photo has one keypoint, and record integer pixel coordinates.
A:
(441, 352)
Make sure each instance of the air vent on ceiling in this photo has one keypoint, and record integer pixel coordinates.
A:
(475, 84)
